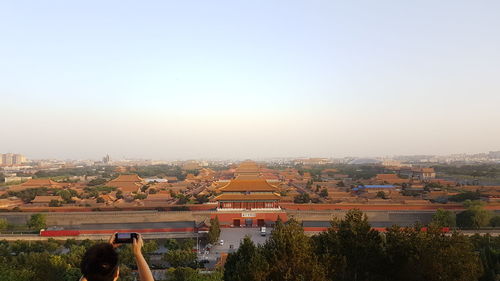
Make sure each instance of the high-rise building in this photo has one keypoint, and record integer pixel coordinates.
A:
(106, 159)
(18, 159)
(8, 159)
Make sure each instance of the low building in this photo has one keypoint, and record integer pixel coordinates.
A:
(374, 188)
(127, 183)
(45, 200)
(243, 194)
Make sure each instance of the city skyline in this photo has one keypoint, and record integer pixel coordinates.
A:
(249, 80)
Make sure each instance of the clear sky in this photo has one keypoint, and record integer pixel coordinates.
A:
(249, 79)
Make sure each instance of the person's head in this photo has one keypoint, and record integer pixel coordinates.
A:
(100, 263)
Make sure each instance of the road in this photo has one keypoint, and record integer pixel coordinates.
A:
(232, 238)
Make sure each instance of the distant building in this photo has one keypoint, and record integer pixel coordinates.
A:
(423, 173)
(248, 194)
(106, 159)
(45, 200)
(9, 159)
(16, 179)
(127, 183)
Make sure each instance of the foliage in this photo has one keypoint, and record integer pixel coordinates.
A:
(246, 264)
(444, 218)
(97, 181)
(474, 217)
(350, 249)
(181, 254)
(302, 198)
(55, 203)
(99, 189)
(182, 199)
(3, 224)
(27, 195)
(140, 196)
(324, 193)
(37, 222)
(67, 194)
(214, 230)
(413, 254)
(381, 195)
(468, 195)
(160, 171)
(190, 274)
(481, 170)
(200, 199)
(119, 194)
(495, 221)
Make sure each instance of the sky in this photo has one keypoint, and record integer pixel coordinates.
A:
(248, 79)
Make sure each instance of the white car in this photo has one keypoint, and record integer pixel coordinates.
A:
(221, 242)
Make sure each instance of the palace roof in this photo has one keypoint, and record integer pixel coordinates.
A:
(246, 197)
(258, 185)
(45, 199)
(127, 183)
(127, 178)
(41, 183)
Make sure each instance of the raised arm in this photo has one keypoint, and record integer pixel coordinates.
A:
(142, 266)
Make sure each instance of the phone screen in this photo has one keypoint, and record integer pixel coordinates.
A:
(124, 235)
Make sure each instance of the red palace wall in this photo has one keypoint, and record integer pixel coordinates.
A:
(52, 233)
(367, 207)
(227, 219)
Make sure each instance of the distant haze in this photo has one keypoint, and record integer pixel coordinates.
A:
(248, 79)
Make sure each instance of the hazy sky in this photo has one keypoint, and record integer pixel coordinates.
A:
(249, 79)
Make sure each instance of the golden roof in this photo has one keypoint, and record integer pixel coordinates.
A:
(242, 196)
(248, 186)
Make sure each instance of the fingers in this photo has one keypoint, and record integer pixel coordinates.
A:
(111, 239)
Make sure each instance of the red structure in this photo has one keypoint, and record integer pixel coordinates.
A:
(248, 194)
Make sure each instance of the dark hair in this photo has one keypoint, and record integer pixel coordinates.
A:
(100, 263)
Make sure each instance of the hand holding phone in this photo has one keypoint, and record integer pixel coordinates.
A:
(125, 237)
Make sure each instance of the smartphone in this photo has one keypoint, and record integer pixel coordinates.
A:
(125, 238)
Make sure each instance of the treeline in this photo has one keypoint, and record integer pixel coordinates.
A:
(163, 171)
(60, 260)
(480, 170)
(56, 260)
(105, 171)
(352, 251)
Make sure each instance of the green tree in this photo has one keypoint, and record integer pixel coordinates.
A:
(302, 198)
(3, 224)
(381, 194)
(494, 221)
(324, 193)
(475, 216)
(246, 264)
(66, 195)
(37, 222)
(181, 258)
(214, 230)
(443, 218)
(119, 194)
(351, 249)
(96, 182)
(141, 196)
(55, 203)
(189, 274)
(414, 254)
(289, 253)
